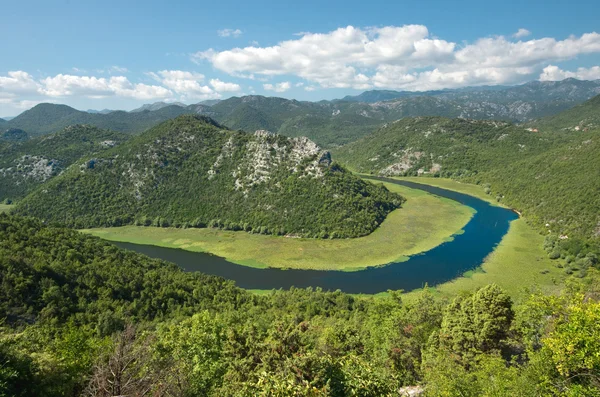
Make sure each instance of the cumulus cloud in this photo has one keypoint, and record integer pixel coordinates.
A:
(229, 33)
(189, 85)
(279, 87)
(63, 85)
(554, 73)
(406, 57)
(221, 86)
(521, 33)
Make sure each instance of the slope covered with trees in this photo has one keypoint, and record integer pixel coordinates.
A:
(85, 318)
(551, 175)
(191, 172)
(46, 118)
(25, 164)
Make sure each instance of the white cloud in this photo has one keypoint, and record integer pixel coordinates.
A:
(229, 33)
(187, 84)
(221, 86)
(118, 69)
(554, 73)
(18, 82)
(521, 33)
(405, 57)
(63, 85)
(279, 87)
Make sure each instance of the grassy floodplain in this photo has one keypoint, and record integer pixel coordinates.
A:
(518, 262)
(5, 207)
(423, 222)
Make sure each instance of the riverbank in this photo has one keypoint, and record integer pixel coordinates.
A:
(424, 222)
(518, 263)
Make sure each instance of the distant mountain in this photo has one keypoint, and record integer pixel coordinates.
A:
(103, 111)
(209, 102)
(14, 135)
(332, 123)
(46, 118)
(157, 106)
(6, 118)
(386, 95)
(2, 121)
(569, 90)
(191, 171)
(25, 164)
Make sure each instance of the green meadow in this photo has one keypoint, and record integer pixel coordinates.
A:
(518, 263)
(422, 223)
(5, 207)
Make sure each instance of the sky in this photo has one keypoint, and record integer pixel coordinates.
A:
(121, 54)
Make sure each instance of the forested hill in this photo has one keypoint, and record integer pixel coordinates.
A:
(25, 164)
(46, 118)
(553, 178)
(582, 117)
(192, 172)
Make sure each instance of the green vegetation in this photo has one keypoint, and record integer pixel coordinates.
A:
(423, 222)
(581, 118)
(46, 118)
(26, 164)
(85, 318)
(5, 207)
(552, 178)
(190, 172)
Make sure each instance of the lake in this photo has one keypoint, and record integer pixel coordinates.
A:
(445, 262)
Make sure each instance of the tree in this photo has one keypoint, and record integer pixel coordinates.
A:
(477, 323)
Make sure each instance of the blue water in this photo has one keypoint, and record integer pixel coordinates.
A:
(443, 263)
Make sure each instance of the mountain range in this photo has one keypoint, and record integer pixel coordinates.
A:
(192, 172)
(331, 123)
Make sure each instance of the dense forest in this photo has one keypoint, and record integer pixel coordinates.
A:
(82, 317)
(27, 163)
(191, 172)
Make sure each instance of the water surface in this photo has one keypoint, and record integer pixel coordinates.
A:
(443, 263)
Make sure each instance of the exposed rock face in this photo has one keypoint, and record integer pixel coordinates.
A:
(266, 153)
(31, 167)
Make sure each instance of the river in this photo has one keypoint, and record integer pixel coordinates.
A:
(445, 262)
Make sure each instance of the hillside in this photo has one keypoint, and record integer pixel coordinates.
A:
(25, 164)
(553, 179)
(191, 172)
(583, 117)
(441, 146)
(46, 118)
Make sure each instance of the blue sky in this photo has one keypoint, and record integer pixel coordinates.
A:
(121, 54)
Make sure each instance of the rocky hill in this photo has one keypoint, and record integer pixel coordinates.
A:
(25, 164)
(190, 171)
